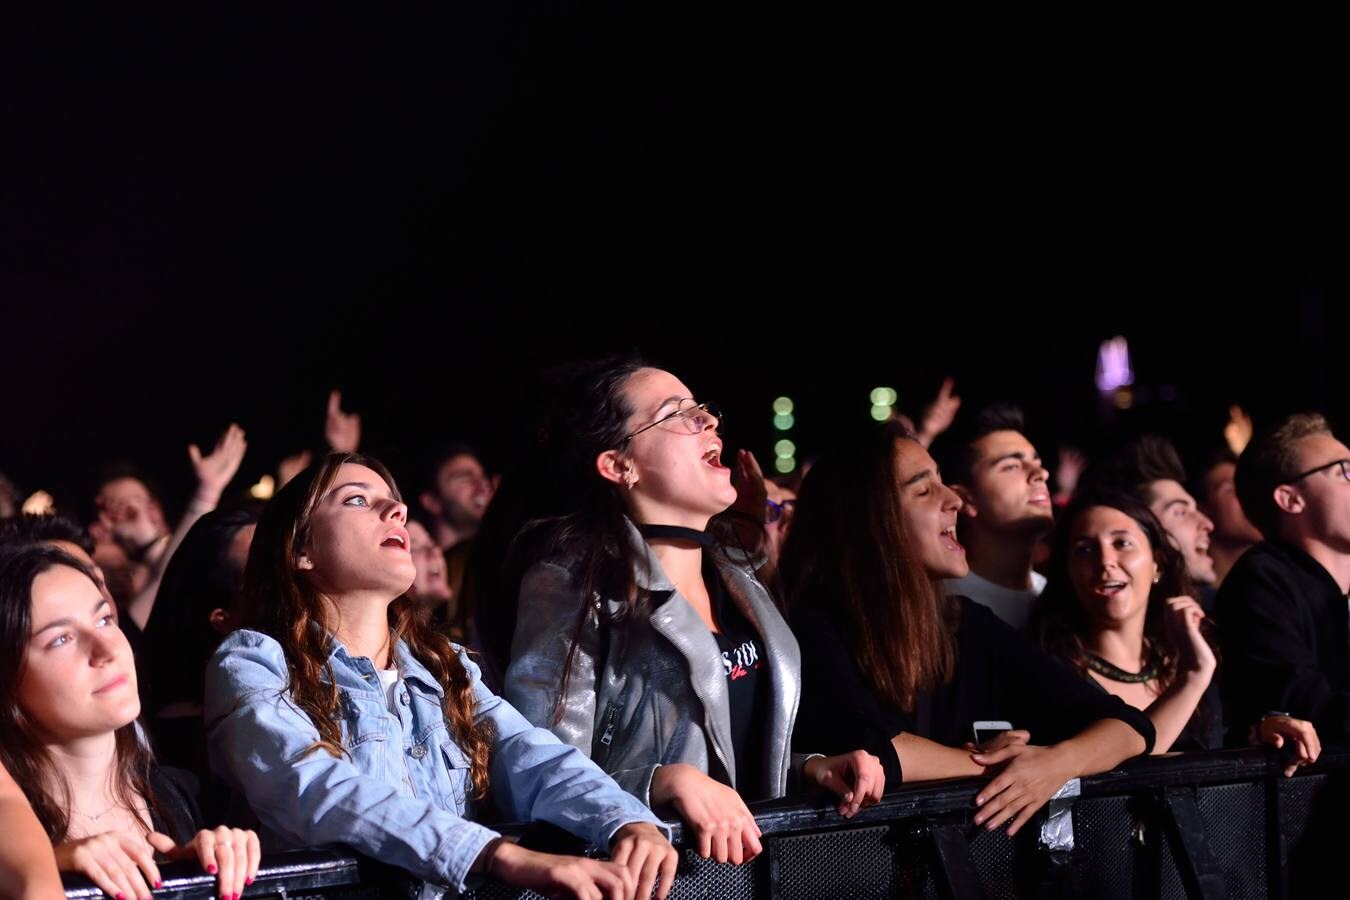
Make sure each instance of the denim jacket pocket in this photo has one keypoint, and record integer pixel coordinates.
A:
(363, 719)
(457, 771)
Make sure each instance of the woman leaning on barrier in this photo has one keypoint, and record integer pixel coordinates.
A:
(889, 661)
(68, 735)
(644, 637)
(347, 719)
(1121, 611)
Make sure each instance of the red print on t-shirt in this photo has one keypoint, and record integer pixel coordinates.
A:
(740, 661)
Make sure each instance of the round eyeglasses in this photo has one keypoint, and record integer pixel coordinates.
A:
(690, 416)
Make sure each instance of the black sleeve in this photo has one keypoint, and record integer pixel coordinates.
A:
(175, 810)
(1204, 730)
(839, 709)
(1041, 693)
(1270, 655)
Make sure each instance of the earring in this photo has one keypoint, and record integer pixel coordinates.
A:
(1157, 577)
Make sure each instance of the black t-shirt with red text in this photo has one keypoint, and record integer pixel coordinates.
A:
(747, 685)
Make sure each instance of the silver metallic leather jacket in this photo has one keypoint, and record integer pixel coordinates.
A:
(650, 692)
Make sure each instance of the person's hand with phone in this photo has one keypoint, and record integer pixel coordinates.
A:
(996, 746)
(1027, 777)
(990, 743)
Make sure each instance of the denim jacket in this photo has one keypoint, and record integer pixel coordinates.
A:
(401, 794)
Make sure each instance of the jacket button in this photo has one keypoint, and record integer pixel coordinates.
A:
(403, 698)
(419, 751)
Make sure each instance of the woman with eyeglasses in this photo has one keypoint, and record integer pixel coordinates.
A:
(643, 635)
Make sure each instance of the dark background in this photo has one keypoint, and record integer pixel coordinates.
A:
(217, 215)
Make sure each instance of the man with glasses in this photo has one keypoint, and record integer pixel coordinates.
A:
(1285, 624)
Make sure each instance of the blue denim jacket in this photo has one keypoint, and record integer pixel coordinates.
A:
(401, 794)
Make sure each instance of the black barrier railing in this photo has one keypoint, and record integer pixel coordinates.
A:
(1211, 825)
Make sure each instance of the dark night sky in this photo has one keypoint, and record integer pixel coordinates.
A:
(216, 215)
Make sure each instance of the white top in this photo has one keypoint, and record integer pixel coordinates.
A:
(1013, 607)
(389, 680)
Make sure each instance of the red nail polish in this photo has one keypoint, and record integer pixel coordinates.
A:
(248, 880)
(121, 897)
(159, 884)
(211, 868)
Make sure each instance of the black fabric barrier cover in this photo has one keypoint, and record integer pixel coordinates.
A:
(1224, 824)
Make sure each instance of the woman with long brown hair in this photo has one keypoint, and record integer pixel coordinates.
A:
(889, 661)
(345, 718)
(68, 735)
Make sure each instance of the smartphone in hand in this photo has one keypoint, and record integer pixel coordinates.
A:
(986, 730)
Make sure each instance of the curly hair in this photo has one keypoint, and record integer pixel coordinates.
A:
(281, 600)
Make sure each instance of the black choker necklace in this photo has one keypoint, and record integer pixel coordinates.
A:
(1116, 673)
(677, 532)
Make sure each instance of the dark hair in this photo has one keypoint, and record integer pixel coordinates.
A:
(1199, 486)
(21, 749)
(1133, 469)
(955, 451)
(199, 578)
(116, 471)
(580, 517)
(1268, 462)
(849, 557)
(1058, 619)
(443, 455)
(281, 601)
(31, 529)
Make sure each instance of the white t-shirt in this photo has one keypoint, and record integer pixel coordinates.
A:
(1013, 607)
(389, 681)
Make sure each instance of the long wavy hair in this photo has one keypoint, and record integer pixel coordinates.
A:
(281, 600)
(849, 557)
(21, 747)
(1059, 620)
